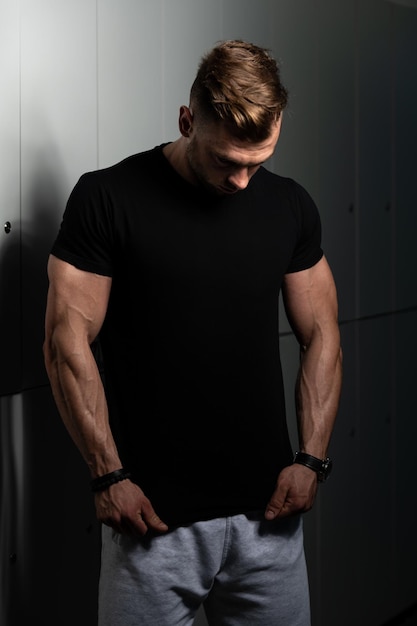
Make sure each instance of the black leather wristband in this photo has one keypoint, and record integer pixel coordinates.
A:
(322, 467)
(103, 482)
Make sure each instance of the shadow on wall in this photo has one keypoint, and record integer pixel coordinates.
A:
(24, 250)
(49, 537)
(10, 491)
(43, 205)
(10, 359)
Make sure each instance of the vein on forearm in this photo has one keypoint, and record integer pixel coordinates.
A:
(318, 389)
(78, 392)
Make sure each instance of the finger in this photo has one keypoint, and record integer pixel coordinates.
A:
(139, 525)
(276, 505)
(286, 510)
(136, 525)
(154, 521)
(151, 519)
(274, 509)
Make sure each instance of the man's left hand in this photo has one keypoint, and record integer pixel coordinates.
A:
(295, 492)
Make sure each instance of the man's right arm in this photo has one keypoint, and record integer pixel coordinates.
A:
(76, 308)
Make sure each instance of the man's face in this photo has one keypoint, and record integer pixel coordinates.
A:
(222, 163)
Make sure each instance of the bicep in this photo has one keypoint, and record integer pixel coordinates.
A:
(310, 301)
(77, 301)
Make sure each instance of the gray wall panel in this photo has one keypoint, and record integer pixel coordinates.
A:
(296, 45)
(336, 155)
(200, 25)
(50, 552)
(339, 526)
(405, 158)
(404, 474)
(10, 364)
(375, 210)
(58, 115)
(130, 76)
(374, 486)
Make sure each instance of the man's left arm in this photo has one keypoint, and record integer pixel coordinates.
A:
(310, 301)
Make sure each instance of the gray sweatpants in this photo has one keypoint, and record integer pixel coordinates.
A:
(245, 570)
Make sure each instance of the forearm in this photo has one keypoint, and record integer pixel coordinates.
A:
(79, 395)
(318, 392)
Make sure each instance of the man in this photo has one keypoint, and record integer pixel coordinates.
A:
(175, 258)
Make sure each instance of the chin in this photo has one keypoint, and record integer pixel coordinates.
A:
(210, 188)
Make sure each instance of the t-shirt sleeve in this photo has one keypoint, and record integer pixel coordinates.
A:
(308, 250)
(85, 236)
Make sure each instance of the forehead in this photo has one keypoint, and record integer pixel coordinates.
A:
(222, 143)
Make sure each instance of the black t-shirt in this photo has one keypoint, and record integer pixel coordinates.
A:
(190, 342)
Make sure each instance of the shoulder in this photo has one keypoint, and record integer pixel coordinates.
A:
(103, 189)
(287, 195)
(297, 214)
(137, 165)
(283, 185)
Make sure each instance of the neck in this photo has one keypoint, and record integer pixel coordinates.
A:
(176, 154)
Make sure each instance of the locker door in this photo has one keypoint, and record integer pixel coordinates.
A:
(58, 143)
(336, 152)
(10, 361)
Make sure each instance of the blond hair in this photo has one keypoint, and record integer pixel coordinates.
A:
(239, 83)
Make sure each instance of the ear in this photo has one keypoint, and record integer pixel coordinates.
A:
(185, 121)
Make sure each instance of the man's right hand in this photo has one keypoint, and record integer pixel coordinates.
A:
(125, 508)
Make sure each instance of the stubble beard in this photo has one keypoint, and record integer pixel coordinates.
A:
(198, 172)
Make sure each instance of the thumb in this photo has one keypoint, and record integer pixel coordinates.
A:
(275, 505)
(152, 519)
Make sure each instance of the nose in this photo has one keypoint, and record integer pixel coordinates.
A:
(239, 179)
